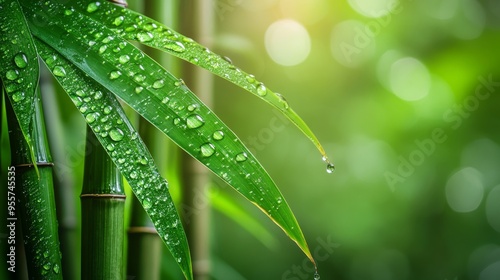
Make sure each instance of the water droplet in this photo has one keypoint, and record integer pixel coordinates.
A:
(250, 78)
(12, 74)
(102, 49)
(114, 74)
(150, 26)
(179, 260)
(192, 107)
(56, 268)
(282, 100)
(179, 83)
(59, 71)
(261, 90)
(124, 59)
(91, 117)
(146, 203)
(110, 147)
(165, 100)
(144, 36)
(139, 90)
(46, 266)
(118, 20)
(279, 200)
(207, 149)
(241, 157)
(227, 59)
(133, 175)
(316, 276)
(107, 109)
(143, 160)
(218, 135)
(18, 96)
(159, 84)
(116, 134)
(330, 168)
(21, 60)
(139, 78)
(92, 7)
(46, 254)
(194, 121)
(175, 46)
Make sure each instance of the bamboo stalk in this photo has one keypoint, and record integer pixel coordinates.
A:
(64, 186)
(198, 19)
(144, 244)
(103, 204)
(34, 197)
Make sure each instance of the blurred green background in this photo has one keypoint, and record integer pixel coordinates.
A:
(403, 95)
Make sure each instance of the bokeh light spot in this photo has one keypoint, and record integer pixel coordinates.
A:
(409, 79)
(373, 8)
(464, 190)
(287, 42)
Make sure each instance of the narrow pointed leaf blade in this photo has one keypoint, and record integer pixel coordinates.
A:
(133, 26)
(18, 64)
(105, 116)
(168, 104)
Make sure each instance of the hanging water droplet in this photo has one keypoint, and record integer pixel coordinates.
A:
(207, 149)
(92, 7)
(194, 121)
(116, 134)
(124, 59)
(138, 89)
(144, 36)
(218, 135)
(12, 74)
(261, 90)
(21, 60)
(241, 157)
(18, 96)
(175, 46)
(282, 100)
(139, 78)
(146, 203)
(227, 59)
(316, 276)
(118, 20)
(330, 168)
(159, 84)
(114, 74)
(59, 71)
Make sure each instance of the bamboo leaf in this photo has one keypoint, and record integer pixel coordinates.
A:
(164, 101)
(18, 66)
(107, 120)
(134, 26)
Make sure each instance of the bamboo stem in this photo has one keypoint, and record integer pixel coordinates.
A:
(198, 19)
(103, 204)
(34, 197)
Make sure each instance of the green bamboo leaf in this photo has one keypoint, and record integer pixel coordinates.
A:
(18, 66)
(134, 26)
(107, 120)
(166, 102)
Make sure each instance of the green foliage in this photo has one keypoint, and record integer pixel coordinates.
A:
(85, 46)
